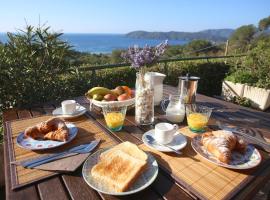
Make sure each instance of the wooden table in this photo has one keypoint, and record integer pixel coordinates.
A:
(72, 186)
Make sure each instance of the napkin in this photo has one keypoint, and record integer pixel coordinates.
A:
(68, 163)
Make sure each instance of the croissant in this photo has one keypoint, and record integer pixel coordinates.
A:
(218, 146)
(58, 135)
(221, 144)
(229, 136)
(52, 129)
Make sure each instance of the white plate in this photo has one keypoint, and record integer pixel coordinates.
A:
(250, 159)
(178, 143)
(101, 104)
(146, 179)
(80, 110)
(29, 143)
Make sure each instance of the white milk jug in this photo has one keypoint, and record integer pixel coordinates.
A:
(157, 81)
(175, 111)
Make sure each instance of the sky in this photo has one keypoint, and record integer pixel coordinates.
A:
(123, 16)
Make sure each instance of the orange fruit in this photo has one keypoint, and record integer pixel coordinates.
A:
(127, 90)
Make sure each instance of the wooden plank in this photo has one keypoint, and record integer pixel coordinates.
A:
(48, 108)
(24, 193)
(37, 111)
(167, 188)
(52, 189)
(78, 189)
(24, 113)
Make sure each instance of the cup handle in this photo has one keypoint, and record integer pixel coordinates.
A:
(163, 102)
(175, 127)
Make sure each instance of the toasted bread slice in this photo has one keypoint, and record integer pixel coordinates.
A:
(127, 147)
(119, 171)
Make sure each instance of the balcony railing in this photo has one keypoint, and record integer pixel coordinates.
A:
(165, 61)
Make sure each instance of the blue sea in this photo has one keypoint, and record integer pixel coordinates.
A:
(104, 43)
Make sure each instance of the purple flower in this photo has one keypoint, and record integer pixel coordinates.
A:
(145, 56)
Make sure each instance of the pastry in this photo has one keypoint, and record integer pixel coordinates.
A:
(222, 143)
(52, 129)
(218, 146)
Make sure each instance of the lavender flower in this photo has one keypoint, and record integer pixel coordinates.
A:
(145, 56)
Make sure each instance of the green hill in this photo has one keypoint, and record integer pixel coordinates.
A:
(210, 34)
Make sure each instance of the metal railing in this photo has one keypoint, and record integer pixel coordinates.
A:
(165, 61)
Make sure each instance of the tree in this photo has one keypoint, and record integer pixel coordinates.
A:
(264, 23)
(242, 37)
(196, 47)
(116, 56)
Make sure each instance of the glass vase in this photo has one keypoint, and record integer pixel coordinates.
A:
(144, 100)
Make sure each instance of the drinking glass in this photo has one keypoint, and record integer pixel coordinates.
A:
(197, 117)
(114, 116)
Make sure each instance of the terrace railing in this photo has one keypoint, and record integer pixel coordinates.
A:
(165, 61)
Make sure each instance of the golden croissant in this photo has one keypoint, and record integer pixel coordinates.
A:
(52, 129)
(222, 143)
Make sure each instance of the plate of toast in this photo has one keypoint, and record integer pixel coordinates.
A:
(48, 134)
(225, 149)
(121, 170)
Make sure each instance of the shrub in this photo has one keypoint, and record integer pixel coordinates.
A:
(31, 64)
(254, 69)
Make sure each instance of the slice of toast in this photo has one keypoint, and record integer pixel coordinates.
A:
(119, 171)
(127, 147)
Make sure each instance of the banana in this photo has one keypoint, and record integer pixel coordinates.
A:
(99, 91)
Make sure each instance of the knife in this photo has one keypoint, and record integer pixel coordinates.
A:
(84, 148)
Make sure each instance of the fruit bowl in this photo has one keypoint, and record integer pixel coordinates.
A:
(99, 104)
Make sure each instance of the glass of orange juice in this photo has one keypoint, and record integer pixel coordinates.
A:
(197, 117)
(114, 116)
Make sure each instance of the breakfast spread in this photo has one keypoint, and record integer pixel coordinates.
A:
(222, 143)
(120, 93)
(52, 129)
(119, 167)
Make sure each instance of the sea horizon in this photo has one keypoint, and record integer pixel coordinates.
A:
(104, 43)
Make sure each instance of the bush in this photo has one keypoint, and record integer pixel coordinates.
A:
(254, 69)
(244, 77)
(31, 66)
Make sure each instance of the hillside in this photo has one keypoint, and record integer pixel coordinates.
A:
(210, 34)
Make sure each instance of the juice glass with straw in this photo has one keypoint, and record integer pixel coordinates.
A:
(197, 117)
(114, 116)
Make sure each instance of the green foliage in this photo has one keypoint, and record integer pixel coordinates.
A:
(211, 74)
(31, 63)
(242, 36)
(174, 51)
(200, 48)
(264, 23)
(254, 69)
(242, 101)
(244, 77)
(116, 56)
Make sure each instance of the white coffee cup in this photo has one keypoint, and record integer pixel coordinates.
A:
(68, 107)
(164, 132)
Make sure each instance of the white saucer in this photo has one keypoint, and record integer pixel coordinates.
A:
(178, 143)
(80, 110)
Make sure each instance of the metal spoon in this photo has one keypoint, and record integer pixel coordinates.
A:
(152, 140)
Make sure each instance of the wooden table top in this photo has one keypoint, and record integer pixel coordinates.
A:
(256, 126)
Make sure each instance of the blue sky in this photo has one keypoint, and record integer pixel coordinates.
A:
(122, 16)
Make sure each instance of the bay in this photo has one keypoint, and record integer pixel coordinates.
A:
(104, 43)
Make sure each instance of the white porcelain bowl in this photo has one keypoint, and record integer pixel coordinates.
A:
(129, 103)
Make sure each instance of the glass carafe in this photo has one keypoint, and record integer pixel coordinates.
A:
(175, 109)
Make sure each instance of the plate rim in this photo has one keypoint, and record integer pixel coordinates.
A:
(120, 193)
(168, 148)
(224, 164)
(36, 149)
(69, 116)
